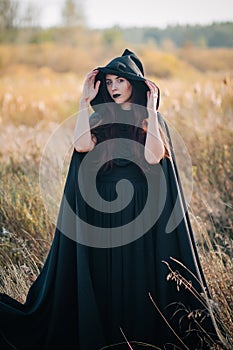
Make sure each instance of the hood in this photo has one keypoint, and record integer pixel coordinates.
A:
(128, 66)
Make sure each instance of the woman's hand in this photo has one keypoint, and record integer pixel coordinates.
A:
(152, 96)
(89, 90)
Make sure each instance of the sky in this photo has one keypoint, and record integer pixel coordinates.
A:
(106, 13)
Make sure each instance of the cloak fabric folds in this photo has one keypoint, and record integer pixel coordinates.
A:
(86, 294)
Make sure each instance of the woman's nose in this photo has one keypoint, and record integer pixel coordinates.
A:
(113, 86)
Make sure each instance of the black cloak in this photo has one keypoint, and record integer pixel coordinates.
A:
(90, 290)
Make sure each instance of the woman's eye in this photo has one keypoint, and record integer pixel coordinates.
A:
(120, 80)
(108, 82)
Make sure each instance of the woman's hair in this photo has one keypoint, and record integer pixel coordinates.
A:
(107, 116)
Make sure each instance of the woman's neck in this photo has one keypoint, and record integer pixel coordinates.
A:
(126, 106)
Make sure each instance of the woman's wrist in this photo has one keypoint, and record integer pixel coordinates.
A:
(84, 102)
(152, 113)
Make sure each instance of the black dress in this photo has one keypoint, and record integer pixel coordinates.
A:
(91, 289)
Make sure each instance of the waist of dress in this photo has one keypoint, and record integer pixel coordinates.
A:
(129, 171)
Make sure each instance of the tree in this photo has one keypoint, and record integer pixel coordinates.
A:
(31, 16)
(8, 14)
(73, 13)
(112, 36)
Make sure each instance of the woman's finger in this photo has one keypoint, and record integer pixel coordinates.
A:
(92, 75)
(154, 91)
(97, 85)
(153, 88)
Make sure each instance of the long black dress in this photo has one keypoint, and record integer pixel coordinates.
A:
(87, 293)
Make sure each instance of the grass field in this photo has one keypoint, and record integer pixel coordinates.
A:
(40, 88)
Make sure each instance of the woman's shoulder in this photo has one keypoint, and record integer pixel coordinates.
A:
(94, 119)
(162, 122)
(161, 119)
(97, 129)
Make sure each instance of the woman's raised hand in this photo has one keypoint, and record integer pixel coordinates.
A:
(152, 96)
(89, 90)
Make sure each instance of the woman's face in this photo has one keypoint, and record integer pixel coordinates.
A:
(119, 89)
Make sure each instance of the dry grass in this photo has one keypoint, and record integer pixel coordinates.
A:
(47, 101)
(35, 99)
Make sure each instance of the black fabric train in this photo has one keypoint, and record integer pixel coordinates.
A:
(85, 295)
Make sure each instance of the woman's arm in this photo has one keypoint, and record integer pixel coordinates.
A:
(82, 135)
(84, 141)
(154, 146)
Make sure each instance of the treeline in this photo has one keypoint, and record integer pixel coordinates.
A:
(215, 35)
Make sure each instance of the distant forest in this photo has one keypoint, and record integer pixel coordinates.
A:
(215, 35)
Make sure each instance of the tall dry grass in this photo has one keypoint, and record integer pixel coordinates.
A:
(34, 99)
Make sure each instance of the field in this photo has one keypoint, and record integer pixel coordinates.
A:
(40, 86)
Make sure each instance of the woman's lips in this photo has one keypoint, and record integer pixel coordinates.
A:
(116, 95)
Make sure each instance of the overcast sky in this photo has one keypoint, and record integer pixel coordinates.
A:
(106, 13)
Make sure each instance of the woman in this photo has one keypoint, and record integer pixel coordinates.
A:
(122, 217)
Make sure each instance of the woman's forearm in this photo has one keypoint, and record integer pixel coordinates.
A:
(82, 135)
(154, 146)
